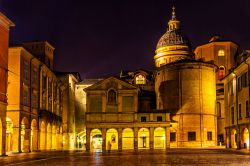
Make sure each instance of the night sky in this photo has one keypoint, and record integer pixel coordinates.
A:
(98, 38)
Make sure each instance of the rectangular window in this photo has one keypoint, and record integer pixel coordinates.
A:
(143, 119)
(244, 80)
(127, 104)
(35, 76)
(239, 83)
(25, 97)
(34, 101)
(230, 88)
(172, 136)
(219, 109)
(44, 82)
(240, 114)
(191, 136)
(209, 136)
(247, 109)
(159, 118)
(26, 70)
(96, 104)
(232, 115)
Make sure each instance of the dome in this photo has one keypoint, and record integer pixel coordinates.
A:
(173, 37)
(173, 45)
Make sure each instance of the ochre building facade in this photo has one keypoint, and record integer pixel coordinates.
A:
(5, 25)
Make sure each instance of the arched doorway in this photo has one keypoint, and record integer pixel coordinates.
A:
(96, 140)
(25, 137)
(9, 135)
(128, 139)
(112, 137)
(42, 136)
(53, 146)
(49, 134)
(143, 138)
(33, 135)
(234, 139)
(245, 138)
(159, 138)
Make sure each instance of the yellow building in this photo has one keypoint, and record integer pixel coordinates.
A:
(185, 88)
(34, 111)
(112, 118)
(5, 25)
(221, 53)
(237, 112)
(80, 110)
(69, 80)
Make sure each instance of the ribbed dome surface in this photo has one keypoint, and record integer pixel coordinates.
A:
(173, 37)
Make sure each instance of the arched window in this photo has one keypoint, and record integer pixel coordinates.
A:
(221, 72)
(221, 53)
(111, 96)
(140, 80)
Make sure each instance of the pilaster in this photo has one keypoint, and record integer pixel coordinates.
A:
(136, 138)
(104, 139)
(151, 138)
(120, 139)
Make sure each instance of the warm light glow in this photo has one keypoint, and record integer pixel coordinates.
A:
(140, 80)
(221, 53)
(128, 139)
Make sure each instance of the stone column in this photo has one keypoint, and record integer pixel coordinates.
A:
(151, 138)
(136, 138)
(34, 140)
(167, 138)
(87, 146)
(26, 146)
(120, 139)
(3, 139)
(228, 138)
(104, 139)
(16, 139)
(238, 138)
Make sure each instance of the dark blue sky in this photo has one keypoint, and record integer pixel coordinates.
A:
(100, 37)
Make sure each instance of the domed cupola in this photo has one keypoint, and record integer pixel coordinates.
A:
(173, 45)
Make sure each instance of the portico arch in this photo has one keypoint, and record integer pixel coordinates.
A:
(143, 138)
(112, 137)
(95, 140)
(33, 136)
(53, 146)
(42, 136)
(9, 135)
(245, 138)
(159, 138)
(48, 139)
(25, 135)
(128, 139)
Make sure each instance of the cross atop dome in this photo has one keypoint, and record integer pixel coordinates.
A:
(173, 13)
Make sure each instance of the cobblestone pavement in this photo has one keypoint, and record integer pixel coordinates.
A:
(130, 158)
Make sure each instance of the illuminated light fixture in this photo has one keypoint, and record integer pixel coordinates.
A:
(233, 74)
